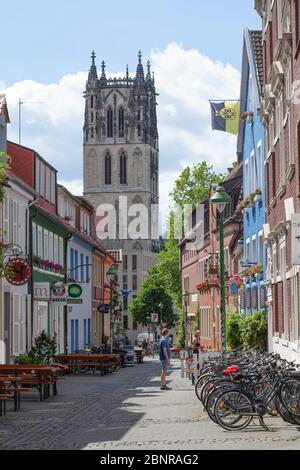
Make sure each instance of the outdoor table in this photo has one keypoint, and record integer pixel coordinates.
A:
(139, 355)
(9, 384)
(91, 360)
(34, 376)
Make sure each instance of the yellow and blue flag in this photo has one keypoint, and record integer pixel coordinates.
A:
(225, 116)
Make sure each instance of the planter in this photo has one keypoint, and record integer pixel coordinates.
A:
(214, 284)
(257, 198)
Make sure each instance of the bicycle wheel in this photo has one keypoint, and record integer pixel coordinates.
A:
(82, 369)
(289, 394)
(231, 410)
(200, 382)
(213, 397)
(284, 413)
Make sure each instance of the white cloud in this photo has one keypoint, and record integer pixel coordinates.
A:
(185, 81)
(74, 186)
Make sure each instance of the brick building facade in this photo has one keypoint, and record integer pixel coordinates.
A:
(201, 265)
(280, 114)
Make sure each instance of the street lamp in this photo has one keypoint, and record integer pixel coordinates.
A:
(185, 296)
(221, 199)
(112, 274)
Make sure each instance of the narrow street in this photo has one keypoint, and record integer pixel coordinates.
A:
(127, 411)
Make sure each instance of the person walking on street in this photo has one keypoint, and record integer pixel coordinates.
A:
(165, 358)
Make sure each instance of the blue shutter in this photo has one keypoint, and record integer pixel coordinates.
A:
(81, 267)
(87, 267)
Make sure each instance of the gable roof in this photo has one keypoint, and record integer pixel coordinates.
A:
(253, 61)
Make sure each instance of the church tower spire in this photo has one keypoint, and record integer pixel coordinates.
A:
(139, 76)
(93, 76)
(148, 77)
(103, 76)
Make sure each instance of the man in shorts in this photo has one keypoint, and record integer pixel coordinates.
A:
(165, 358)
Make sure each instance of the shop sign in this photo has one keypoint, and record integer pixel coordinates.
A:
(74, 301)
(58, 292)
(17, 271)
(41, 290)
(74, 291)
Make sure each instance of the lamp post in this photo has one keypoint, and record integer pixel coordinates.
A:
(112, 274)
(185, 296)
(221, 199)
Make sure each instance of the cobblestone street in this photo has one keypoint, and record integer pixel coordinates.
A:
(128, 410)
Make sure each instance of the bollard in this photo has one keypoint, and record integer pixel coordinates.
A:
(182, 355)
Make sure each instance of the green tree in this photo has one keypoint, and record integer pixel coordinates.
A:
(180, 337)
(197, 318)
(233, 330)
(44, 348)
(193, 184)
(152, 298)
(254, 330)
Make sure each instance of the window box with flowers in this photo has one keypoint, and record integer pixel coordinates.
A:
(203, 287)
(36, 260)
(248, 116)
(258, 195)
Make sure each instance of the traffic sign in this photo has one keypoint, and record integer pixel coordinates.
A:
(103, 308)
(154, 317)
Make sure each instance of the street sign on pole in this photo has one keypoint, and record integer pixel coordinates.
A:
(154, 317)
(103, 308)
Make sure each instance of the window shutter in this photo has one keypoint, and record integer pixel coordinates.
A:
(16, 324)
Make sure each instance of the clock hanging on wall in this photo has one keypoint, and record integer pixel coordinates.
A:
(17, 271)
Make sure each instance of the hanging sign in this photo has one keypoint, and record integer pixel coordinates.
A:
(74, 301)
(17, 271)
(103, 308)
(74, 291)
(58, 292)
(154, 317)
(296, 239)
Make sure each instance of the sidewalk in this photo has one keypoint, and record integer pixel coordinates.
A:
(127, 410)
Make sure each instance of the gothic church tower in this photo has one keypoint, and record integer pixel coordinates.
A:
(121, 158)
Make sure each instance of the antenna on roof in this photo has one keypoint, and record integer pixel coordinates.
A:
(20, 115)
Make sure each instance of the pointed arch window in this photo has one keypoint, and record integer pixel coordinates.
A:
(121, 121)
(107, 169)
(92, 101)
(123, 168)
(109, 122)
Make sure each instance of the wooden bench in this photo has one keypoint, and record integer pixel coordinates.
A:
(33, 376)
(95, 361)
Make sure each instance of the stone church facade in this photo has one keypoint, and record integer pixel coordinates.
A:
(121, 158)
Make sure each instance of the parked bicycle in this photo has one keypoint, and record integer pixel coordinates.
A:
(242, 385)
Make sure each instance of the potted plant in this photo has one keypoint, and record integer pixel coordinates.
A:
(248, 203)
(203, 287)
(248, 116)
(258, 195)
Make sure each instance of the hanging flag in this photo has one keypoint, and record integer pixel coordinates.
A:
(225, 116)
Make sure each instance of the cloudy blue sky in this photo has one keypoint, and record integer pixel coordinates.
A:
(195, 48)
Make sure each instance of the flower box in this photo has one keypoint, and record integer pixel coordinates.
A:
(257, 198)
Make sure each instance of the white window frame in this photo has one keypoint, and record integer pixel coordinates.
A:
(259, 165)
(40, 248)
(34, 244)
(246, 177)
(5, 219)
(46, 244)
(61, 251)
(55, 249)
(51, 247)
